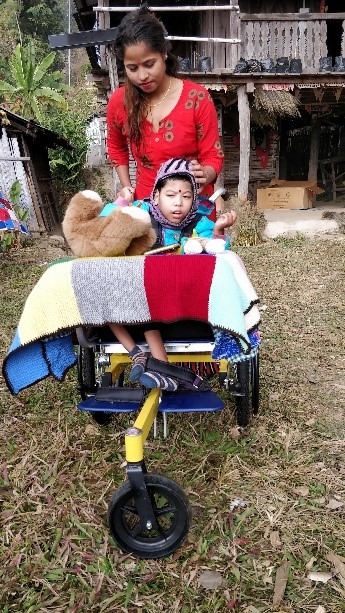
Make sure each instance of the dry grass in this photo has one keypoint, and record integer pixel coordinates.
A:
(250, 223)
(57, 473)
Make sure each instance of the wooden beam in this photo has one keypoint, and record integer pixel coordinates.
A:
(290, 16)
(244, 120)
(205, 40)
(13, 159)
(168, 9)
(90, 38)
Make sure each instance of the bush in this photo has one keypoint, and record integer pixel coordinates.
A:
(250, 224)
(67, 166)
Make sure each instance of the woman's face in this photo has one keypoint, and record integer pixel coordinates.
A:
(144, 68)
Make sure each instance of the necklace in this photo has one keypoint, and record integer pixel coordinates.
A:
(161, 100)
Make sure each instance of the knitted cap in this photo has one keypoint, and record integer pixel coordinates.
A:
(173, 167)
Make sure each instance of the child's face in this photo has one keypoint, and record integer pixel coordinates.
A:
(175, 199)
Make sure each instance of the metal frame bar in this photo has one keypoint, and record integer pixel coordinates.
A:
(137, 434)
(174, 347)
(173, 9)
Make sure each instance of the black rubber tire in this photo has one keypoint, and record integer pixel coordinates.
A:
(172, 512)
(86, 371)
(87, 382)
(243, 403)
(255, 382)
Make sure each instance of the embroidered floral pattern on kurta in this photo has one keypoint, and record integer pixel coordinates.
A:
(189, 130)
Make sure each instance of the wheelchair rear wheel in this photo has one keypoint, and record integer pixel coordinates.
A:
(86, 371)
(243, 384)
(172, 512)
(243, 399)
(87, 381)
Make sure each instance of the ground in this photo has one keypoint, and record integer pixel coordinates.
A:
(268, 506)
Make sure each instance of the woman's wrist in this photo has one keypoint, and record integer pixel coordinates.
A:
(209, 174)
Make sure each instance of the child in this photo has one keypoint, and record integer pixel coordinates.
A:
(177, 213)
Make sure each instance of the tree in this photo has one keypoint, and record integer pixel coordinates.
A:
(40, 19)
(32, 87)
(67, 166)
(9, 33)
(21, 20)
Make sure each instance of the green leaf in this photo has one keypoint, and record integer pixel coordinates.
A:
(15, 191)
(19, 65)
(7, 88)
(42, 68)
(50, 94)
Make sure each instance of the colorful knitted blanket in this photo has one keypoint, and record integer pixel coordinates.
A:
(126, 290)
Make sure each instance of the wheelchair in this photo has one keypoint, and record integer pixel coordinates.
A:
(149, 515)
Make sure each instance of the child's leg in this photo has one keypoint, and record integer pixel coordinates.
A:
(134, 351)
(154, 340)
(156, 345)
(152, 379)
(123, 336)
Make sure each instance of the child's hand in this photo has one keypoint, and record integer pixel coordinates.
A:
(225, 221)
(127, 193)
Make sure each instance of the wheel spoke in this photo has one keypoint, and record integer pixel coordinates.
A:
(130, 509)
(165, 511)
(136, 530)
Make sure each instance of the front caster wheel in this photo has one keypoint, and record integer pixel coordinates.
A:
(172, 512)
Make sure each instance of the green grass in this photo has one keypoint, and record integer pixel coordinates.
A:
(57, 474)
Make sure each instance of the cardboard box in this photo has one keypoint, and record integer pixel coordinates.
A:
(287, 195)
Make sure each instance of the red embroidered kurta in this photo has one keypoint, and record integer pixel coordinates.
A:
(190, 130)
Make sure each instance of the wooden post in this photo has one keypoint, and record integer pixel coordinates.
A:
(244, 120)
(233, 51)
(112, 68)
(103, 24)
(314, 148)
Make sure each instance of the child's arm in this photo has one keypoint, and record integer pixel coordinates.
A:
(226, 220)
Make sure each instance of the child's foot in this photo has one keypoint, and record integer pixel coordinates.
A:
(152, 380)
(139, 359)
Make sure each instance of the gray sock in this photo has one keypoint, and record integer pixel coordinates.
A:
(139, 359)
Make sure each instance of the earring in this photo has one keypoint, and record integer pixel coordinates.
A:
(165, 57)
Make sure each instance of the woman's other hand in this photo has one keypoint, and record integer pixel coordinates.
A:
(127, 193)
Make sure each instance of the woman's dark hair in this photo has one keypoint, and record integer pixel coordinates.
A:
(141, 26)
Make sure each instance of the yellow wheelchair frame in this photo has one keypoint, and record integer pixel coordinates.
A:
(149, 515)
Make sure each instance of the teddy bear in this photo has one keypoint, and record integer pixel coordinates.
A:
(126, 231)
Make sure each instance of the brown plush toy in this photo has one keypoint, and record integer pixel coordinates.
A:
(126, 231)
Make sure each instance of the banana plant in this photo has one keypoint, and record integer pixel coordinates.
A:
(32, 86)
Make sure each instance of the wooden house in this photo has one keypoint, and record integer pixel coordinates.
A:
(24, 146)
(299, 48)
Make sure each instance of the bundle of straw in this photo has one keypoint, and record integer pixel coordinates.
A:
(274, 104)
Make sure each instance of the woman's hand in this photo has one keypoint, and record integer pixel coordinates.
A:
(203, 174)
(127, 193)
(224, 221)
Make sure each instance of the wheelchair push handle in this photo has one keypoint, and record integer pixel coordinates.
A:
(222, 191)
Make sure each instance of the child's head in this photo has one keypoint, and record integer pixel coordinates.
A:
(174, 194)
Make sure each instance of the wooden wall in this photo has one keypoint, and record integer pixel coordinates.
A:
(219, 24)
(258, 174)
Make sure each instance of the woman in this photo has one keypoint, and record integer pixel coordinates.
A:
(157, 115)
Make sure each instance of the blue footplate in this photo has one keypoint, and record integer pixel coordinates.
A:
(190, 402)
(92, 404)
